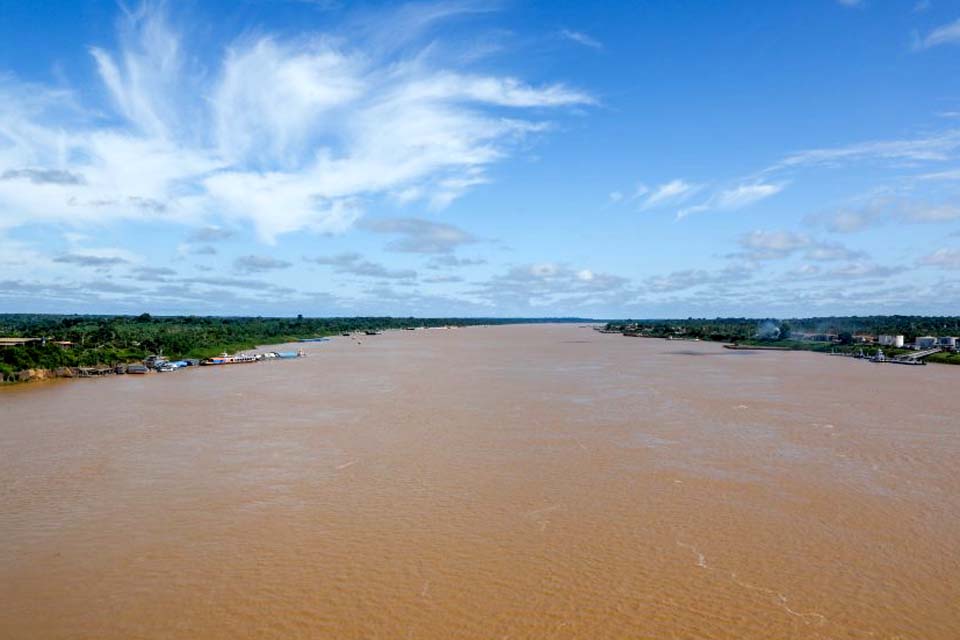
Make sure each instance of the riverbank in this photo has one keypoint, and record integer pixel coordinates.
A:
(47, 343)
(197, 357)
(159, 365)
(868, 350)
(100, 370)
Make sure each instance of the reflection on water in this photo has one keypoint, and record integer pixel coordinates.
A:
(486, 483)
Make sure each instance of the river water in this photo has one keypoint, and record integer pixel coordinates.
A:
(491, 482)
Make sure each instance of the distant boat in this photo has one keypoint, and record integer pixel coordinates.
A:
(167, 366)
(314, 340)
(371, 333)
(137, 369)
(241, 358)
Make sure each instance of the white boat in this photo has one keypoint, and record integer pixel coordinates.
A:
(240, 358)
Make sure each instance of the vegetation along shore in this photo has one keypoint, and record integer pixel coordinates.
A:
(39, 346)
(889, 337)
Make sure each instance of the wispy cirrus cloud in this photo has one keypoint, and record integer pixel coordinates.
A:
(733, 198)
(743, 195)
(282, 133)
(945, 34)
(669, 193)
(935, 147)
(581, 38)
(678, 192)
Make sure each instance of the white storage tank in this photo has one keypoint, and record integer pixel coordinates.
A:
(891, 341)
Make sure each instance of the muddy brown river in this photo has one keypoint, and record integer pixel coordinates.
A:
(491, 482)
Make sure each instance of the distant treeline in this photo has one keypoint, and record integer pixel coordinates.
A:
(118, 339)
(743, 329)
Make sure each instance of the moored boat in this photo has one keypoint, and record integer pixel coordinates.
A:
(240, 358)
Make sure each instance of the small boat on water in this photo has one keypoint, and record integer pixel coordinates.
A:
(167, 366)
(137, 369)
(371, 333)
(314, 340)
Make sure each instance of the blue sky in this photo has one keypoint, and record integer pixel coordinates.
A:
(642, 159)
